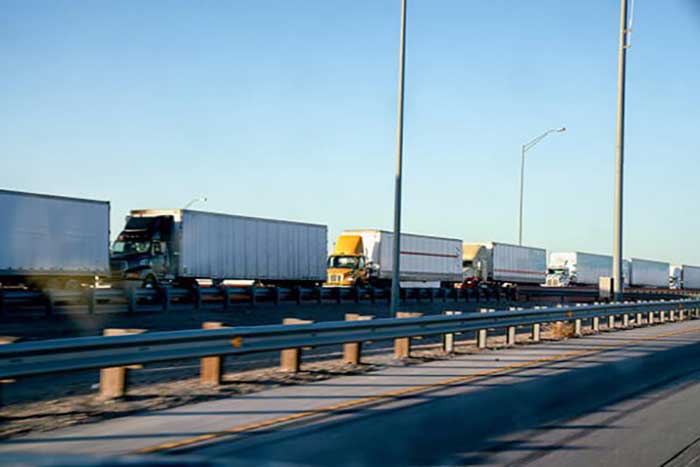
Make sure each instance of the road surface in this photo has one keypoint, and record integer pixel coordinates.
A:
(623, 398)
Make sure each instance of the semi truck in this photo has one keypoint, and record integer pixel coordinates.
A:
(684, 276)
(364, 257)
(576, 268)
(185, 247)
(502, 263)
(52, 241)
(647, 273)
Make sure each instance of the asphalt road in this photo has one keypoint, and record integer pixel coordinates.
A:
(627, 398)
(636, 406)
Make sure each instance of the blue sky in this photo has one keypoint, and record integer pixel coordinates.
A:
(287, 109)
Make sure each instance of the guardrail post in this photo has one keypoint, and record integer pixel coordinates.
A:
(672, 315)
(252, 291)
(113, 380)
(357, 293)
(276, 295)
(132, 299)
(296, 291)
(536, 332)
(50, 304)
(577, 328)
(352, 351)
(595, 324)
(402, 345)
(638, 319)
(650, 318)
(89, 299)
(625, 320)
(197, 298)
(662, 316)
(165, 298)
(290, 359)
(211, 368)
(448, 339)
(6, 340)
(226, 296)
(611, 322)
(481, 334)
(681, 314)
(510, 335)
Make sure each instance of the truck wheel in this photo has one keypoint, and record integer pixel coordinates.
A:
(150, 282)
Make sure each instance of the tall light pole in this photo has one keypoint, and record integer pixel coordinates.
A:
(395, 277)
(526, 147)
(620, 153)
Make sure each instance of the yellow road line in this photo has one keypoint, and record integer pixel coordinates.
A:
(400, 392)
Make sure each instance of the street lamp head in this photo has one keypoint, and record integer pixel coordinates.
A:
(203, 199)
(560, 130)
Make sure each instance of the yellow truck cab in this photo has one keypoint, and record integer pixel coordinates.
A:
(364, 257)
(346, 266)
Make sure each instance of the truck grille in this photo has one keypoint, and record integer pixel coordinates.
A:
(335, 278)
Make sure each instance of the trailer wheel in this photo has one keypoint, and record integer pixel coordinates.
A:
(150, 282)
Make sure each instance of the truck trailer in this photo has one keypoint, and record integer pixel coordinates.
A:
(186, 246)
(647, 273)
(364, 257)
(576, 268)
(52, 241)
(690, 277)
(500, 263)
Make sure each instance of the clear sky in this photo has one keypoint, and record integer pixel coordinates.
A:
(287, 109)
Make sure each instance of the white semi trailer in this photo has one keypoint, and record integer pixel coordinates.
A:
(496, 262)
(689, 277)
(185, 246)
(365, 257)
(52, 241)
(648, 273)
(577, 268)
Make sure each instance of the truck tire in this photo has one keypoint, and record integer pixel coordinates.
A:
(150, 282)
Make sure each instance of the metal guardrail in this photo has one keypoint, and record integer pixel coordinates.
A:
(84, 353)
(169, 298)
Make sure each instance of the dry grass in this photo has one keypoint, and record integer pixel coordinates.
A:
(560, 330)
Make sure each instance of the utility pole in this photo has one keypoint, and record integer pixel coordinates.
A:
(620, 154)
(395, 277)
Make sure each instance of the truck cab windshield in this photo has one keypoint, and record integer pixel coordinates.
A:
(351, 262)
(131, 247)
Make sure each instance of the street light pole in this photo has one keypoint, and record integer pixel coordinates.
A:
(620, 154)
(526, 147)
(395, 277)
(522, 189)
